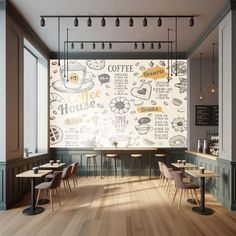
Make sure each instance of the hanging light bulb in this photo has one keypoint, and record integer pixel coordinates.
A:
(135, 45)
(72, 45)
(94, 45)
(103, 22)
(103, 45)
(152, 45)
(82, 45)
(191, 22)
(89, 23)
(76, 22)
(159, 22)
(143, 45)
(117, 22)
(42, 22)
(145, 21)
(212, 88)
(159, 45)
(131, 22)
(201, 95)
(110, 45)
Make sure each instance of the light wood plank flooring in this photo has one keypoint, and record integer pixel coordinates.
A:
(118, 206)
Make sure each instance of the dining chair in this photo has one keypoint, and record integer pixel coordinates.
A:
(51, 186)
(180, 184)
(89, 157)
(160, 164)
(168, 177)
(74, 173)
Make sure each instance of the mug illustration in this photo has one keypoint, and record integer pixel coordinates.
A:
(122, 141)
(143, 128)
(76, 76)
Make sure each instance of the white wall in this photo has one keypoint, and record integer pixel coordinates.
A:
(2, 85)
(196, 132)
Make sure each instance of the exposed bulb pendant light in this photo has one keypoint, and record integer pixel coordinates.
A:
(152, 45)
(212, 87)
(103, 22)
(159, 45)
(76, 22)
(159, 22)
(117, 22)
(94, 45)
(201, 94)
(131, 22)
(110, 45)
(89, 22)
(145, 21)
(135, 45)
(42, 22)
(72, 45)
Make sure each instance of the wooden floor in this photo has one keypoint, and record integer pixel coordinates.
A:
(121, 206)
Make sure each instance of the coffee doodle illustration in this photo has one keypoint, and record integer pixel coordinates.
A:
(177, 102)
(179, 124)
(182, 85)
(96, 64)
(180, 68)
(104, 78)
(55, 99)
(56, 134)
(127, 101)
(178, 141)
(143, 92)
(119, 105)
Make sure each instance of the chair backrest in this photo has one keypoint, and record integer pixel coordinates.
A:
(160, 164)
(56, 179)
(74, 168)
(178, 178)
(66, 172)
(166, 172)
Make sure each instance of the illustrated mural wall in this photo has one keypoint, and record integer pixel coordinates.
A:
(118, 102)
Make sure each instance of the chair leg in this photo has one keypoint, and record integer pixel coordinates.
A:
(195, 193)
(180, 198)
(115, 168)
(68, 184)
(64, 187)
(38, 196)
(73, 178)
(191, 193)
(176, 190)
(50, 192)
(58, 198)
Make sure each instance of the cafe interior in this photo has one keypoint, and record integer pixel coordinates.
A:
(117, 117)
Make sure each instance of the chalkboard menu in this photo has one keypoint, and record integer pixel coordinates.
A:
(207, 115)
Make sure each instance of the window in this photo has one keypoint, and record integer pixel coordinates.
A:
(35, 101)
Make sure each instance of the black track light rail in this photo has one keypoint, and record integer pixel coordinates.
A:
(111, 41)
(119, 16)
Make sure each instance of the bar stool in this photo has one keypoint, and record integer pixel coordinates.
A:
(94, 157)
(111, 156)
(137, 157)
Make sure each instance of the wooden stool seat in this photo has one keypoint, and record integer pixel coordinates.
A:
(109, 157)
(160, 155)
(94, 157)
(136, 155)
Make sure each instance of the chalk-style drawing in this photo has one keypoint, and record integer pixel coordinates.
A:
(179, 124)
(56, 134)
(182, 85)
(96, 64)
(143, 92)
(119, 105)
(178, 141)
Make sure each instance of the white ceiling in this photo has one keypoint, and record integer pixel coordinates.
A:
(205, 10)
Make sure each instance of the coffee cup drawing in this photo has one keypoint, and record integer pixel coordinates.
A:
(143, 128)
(76, 76)
(122, 141)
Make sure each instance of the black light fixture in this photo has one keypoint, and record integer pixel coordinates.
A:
(201, 94)
(103, 45)
(191, 22)
(117, 22)
(152, 45)
(135, 45)
(76, 22)
(212, 87)
(72, 45)
(159, 45)
(110, 45)
(103, 22)
(159, 22)
(94, 45)
(131, 22)
(145, 21)
(89, 22)
(42, 22)
(143, 45)
(82, 45)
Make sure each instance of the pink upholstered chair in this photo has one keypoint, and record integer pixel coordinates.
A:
(53, 184)
(168, 177)
(180, 184)
(74, 173)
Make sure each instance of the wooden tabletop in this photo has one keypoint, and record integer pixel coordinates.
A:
(186, 166)
(125, 148)
(54, 166)
(197, 173)
(30, 174)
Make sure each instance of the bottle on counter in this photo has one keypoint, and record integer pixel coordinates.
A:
(199, 145)
(205, 146)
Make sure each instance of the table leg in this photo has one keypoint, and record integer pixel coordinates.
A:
(101, 165)
(202, 210)
(122, 161)
(33, 210)
(150, 170)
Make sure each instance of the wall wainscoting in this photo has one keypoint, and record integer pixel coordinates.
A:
(222, 187)
(12, 188)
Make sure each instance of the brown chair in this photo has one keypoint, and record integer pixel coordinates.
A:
(180, 184)
(74, 173)
(66, 174)
(53, 184)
